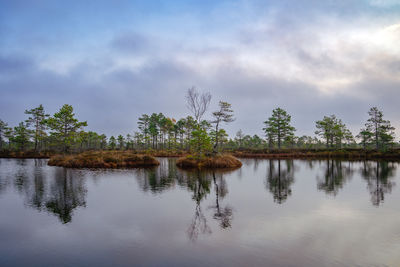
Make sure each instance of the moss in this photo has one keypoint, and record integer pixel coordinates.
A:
(103, 159)
(224, 161)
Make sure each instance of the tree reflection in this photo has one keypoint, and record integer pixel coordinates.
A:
(199, 183)
(58, 190)
(222, 214)
(279, 179)
(21, 179)
(157, 179)
(256, 164)
(378, 176)
(37, 196)
(67, 192)
(5, 179)
(336, 174)
(3, 184)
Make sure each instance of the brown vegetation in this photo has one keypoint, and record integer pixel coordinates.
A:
(26, 154)
(224, 161)
(355, 154)
(348, 153)
(103, 159)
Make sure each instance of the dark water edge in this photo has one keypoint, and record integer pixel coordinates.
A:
(354, 154)
(269, 212)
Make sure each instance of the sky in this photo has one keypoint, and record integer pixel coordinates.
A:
(116, 60)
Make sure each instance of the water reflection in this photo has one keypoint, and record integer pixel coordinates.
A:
(199, 183)
(61, 191)
(223, 214)
(158, 211)
(37, 195)
(67, 192)
(379, 179)
(55, 190)
(280, 177)
(336, 174)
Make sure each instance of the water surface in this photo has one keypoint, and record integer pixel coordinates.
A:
(269, 212)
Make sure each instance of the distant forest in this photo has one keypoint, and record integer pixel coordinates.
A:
(62, 132)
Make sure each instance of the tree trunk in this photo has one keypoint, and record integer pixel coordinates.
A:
(216, 139)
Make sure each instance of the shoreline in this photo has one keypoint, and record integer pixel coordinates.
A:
(345, 155)
(355, 154)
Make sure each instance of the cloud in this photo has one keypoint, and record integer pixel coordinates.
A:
(384, 3)
(10, 65)
(112, 103)
(133, 43)
(311, 58)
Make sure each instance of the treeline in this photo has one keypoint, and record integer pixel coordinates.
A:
(42, 132)
(62, 132)
(331, 133)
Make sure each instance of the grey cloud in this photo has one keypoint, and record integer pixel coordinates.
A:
(14, 64)
(113, 103)
(111, 97)
(132, 43)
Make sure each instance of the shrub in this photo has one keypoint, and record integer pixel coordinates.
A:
(109, 159)
(224, 161)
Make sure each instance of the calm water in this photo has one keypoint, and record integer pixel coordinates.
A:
(274, 213)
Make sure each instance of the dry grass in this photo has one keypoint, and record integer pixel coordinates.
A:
(355, 154)
(26, 154)
(224, 161)
(103, 159)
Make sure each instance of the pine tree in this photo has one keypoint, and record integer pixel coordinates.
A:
(37, 120)
(22, 135)
(64, 126)
(3, 129)
(143, 125)
(121, 142)
(278, 126)
(200, 143)
(365, 136)
(334, 131)
(382, 131)
(224, 114)
(112, 143)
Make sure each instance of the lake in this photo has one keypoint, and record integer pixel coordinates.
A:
(269, 212)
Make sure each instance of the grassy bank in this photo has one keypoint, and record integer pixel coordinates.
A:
(49, 154)
(26, 154)
(103, 159)
(353, 154)
(223, 161)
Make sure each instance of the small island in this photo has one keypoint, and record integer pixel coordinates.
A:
(104, 159)
(221, 161)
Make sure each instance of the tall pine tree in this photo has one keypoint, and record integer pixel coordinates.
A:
(278, 127)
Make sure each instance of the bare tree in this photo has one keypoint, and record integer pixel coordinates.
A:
(197, 103)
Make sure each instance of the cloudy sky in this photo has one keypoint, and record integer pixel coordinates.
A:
(115, 60)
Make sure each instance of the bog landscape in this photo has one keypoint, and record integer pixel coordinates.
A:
(199, 133)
